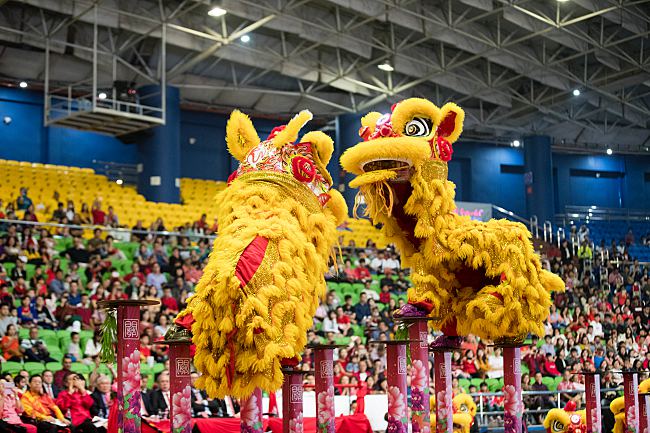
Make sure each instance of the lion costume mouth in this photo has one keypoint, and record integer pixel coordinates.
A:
(385, 164)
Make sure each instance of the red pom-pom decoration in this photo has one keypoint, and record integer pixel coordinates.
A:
(444, 149)
(303, 169)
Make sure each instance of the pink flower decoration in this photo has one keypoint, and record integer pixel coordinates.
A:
(250, 412)
(595, 421)
(418, 374)
(396, 406)
(441, 397)
(326, 405)
(630, 419)
(295, 425)
(131, 368)
(511, 401)
(426, 429)
(182, 408)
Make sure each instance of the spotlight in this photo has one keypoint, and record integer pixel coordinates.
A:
(217, 12)
(516, 143)
(562, 1)
(386, 66)
(593, 207)
(23, 84)
(102, 95)
(245, 39)
(609, 151)
(7, 120)
(119, 181)
(576, 92)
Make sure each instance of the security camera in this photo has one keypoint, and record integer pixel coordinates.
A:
(7, 120)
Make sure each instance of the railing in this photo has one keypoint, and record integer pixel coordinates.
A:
(548, 232)
(118, 233)
(534, 226)
(595, 213)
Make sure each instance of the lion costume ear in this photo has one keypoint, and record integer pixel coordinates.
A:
(322, 148)
(241, 136)
(368, 124)
(451, 124)
(290, 132)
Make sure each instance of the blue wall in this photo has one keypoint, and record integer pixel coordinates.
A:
(475, 167)
(26, 139)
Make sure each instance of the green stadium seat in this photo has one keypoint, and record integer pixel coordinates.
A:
(493, 384)
(56, 353)
(11, 367)
(34, 367)
(158, 367)
(476, 382)
(23, 333)
(342, 340)
(80, 368)
(464, 383)
(53, 366)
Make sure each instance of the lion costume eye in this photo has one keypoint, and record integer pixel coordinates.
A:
(463, 408)
(418, 127)
(557, 426)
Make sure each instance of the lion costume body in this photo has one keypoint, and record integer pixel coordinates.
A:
(265, 275)
(617, 407)
(473, 277)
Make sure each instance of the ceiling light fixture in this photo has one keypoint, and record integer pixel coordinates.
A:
(119, 181)
(102, 95)
(23, 84)
(217, 12)
(386, 66)
(609, 151)
(576, 92)
(516, 143)
(245, 39)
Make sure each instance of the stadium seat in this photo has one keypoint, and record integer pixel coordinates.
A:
(34, 368)
(11, 367)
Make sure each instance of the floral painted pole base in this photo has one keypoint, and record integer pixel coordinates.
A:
(128, 362)
(292, 401)
(592, 392)
(442, 383)
(397, 392)
(631, 394)
(513, 405)
(324, 375)
(251, 413)
(419, 347)
(180, 362)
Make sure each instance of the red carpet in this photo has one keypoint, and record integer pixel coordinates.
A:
(344, 424)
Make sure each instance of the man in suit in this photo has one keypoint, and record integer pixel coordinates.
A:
(204, 407)
(161, 397)
(49, 387)
(102, 397)
(145, 394)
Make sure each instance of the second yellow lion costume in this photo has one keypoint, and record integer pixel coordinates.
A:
(479, 278)
(265, 276)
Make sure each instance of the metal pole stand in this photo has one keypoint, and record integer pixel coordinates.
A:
(419, 347)
(292, 401)
(128, 362)
(631, 395)
(513, 405)
(442, 385)
(592, 392)
(180, 361)
(324, 375)
(251, 413)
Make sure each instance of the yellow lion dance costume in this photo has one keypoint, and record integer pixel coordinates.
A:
(265, 276)
(474, 277)
(566, 420)
(617, 406)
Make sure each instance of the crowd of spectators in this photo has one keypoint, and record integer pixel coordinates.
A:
(600, 323)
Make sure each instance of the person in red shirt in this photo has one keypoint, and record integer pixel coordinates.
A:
(550, 369)
(469, 364)
(202, 223)
(362, 272)
(135, 273)
(99, 216)
(76, 399)
(168, 300)
(384, 296)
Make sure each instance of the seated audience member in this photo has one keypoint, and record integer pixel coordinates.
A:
(41, 409)
(26, 312)
(49, 387)
(74, 349)
(77, 252)
(61, 375)
(76, 400)
(161, 398)
(10, 410)
(11, 345)
(102, 397)
(202, 406)
(34, 348)
(6, 318)
(168, 300)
